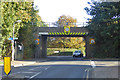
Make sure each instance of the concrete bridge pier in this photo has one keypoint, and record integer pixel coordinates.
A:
(87, 51)
(89, 47)
(42, 48)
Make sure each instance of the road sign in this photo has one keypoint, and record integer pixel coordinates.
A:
(67, 29)
(92, 41)
(15, 38)
(37, 41)
(12, 38)
(7, 65)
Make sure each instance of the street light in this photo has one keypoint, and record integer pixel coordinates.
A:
(18, 21)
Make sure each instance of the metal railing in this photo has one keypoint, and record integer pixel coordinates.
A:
(54, 24)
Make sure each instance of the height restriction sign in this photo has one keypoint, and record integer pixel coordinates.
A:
(67, 29)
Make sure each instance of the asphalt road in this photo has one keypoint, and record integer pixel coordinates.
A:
(65, 67)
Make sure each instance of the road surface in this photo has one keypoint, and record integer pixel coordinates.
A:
(66, 68)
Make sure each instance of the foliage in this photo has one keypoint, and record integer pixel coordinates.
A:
(66, 21)
(11, 12)
(0, 29)
(104, 27)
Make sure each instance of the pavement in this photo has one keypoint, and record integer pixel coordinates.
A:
(18, 63)
(105, 69)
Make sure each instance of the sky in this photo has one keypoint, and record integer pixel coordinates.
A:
(51, 10)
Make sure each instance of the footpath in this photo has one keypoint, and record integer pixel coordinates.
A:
(103, 72)
(19, 63)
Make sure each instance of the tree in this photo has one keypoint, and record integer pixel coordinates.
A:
(105, 28)
(11, 12)
(66, 21)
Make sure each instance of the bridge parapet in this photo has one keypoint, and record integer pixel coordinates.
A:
(54, 24)
(60, 31)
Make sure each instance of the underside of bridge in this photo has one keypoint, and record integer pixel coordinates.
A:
(45, 32)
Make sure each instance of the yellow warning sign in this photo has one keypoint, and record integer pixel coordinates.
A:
(7, 65)
(92, 41)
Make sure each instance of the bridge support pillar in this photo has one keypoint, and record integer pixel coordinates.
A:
(42, 48)
(89, 47)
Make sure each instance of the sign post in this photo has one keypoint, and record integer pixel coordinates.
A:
(12, 38)
(7, 65)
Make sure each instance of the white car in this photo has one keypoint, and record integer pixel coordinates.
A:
(77, 53)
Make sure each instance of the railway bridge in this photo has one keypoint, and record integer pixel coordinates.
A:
(44, 32)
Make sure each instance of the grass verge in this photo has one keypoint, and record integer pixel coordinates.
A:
(62, 51)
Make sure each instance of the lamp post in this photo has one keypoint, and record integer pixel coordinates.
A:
(18, 21)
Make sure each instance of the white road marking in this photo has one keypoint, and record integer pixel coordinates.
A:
(27, 76)
(84, 76)
(41, 67)
(46, 68)
(18, 72)
(38, 67)
(31, 69)
(86, 69)
(92, 64)
(27, 72)
(18, 65)
(35, 75)
(35, 68)
(38, 72)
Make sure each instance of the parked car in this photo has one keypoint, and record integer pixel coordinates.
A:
(77, 53)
